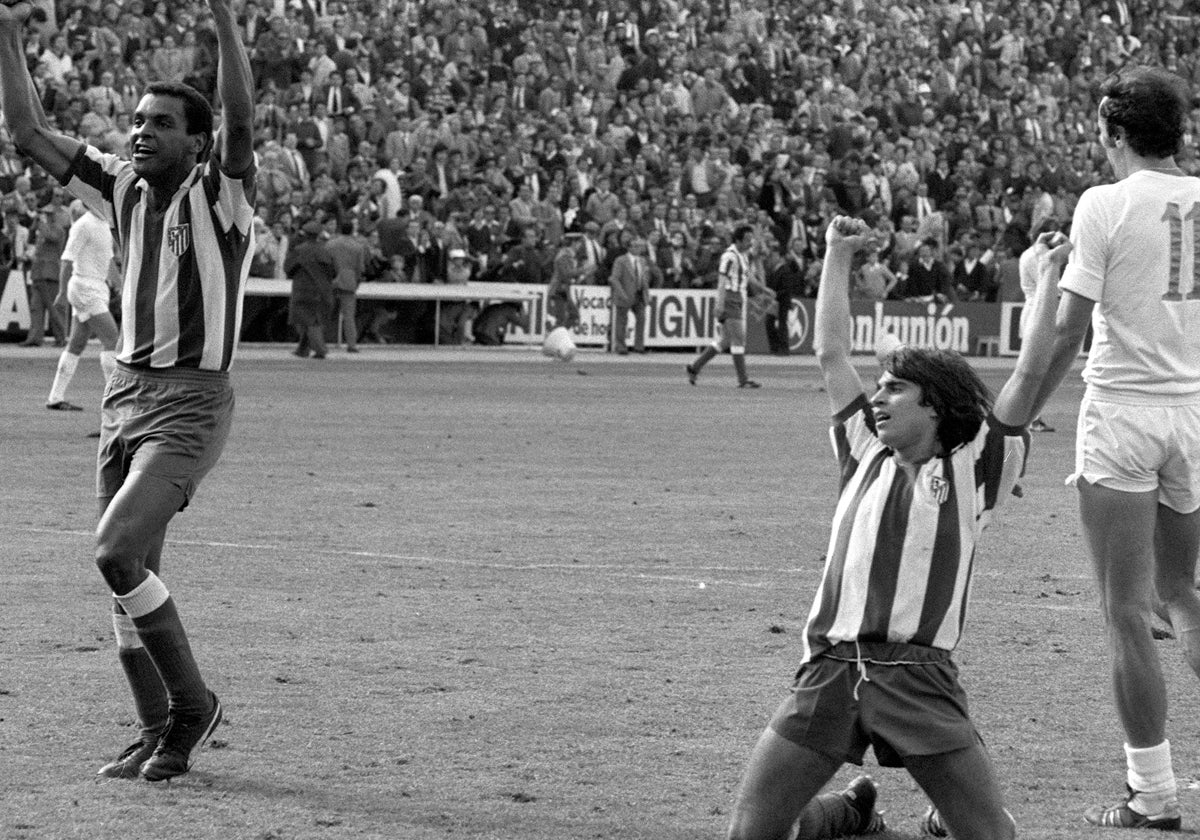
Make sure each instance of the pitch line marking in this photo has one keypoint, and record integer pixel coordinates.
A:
(611, 569)
(449, 561)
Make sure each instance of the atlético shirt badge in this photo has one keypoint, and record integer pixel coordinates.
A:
(939, 488)
(179, 238)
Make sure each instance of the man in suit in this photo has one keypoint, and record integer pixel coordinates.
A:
(592, 252)
(941, 182)
(974, 279)
(305, 90)
(338, 98)
(310, 138)
(630, 284)
(292, 161)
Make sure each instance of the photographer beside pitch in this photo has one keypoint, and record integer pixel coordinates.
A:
(925, 461)
(182, 209)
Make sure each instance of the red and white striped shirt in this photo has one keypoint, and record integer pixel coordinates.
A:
(733, 270)
(900, 556)
(184, 273)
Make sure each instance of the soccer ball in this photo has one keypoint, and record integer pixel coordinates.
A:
(558, 345)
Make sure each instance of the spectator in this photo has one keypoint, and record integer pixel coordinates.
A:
(49, 236)
(875, 280)
(641, 102)
(630, 285)
(311, 270)
(787, 281)
(524, 262)
(927, 277)
(973, 278)
(675, 261)
(566, 271)
(349, 252)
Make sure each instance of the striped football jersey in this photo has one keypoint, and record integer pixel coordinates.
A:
(900, 556)
(184, 272)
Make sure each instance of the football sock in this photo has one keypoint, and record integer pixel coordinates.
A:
(161, 631)
(108, 363)
(149, 694)
(826, 816)
(1151, 778)
(739, 364)
(705, 357)
(67, 363)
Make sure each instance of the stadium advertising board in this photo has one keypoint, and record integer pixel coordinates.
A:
(687, 318)
(674, 318)
(14, 307)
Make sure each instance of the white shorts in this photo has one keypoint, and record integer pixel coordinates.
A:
(1139, 448)
(88, 298)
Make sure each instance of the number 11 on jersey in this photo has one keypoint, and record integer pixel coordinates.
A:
(1174, 215)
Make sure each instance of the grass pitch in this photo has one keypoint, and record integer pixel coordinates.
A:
(453, 594)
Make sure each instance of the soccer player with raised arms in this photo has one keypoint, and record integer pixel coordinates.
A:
(925, 460)
(182, 211)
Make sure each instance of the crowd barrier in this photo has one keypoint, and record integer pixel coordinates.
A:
(675, 318)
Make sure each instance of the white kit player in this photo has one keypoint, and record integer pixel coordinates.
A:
(1134, 276)
(84, 276)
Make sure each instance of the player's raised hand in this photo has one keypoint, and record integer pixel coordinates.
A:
(1053, 246)
(847, 232)
(15, 14)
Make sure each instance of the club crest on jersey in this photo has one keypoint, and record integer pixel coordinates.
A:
(179, 238)
(940, 488)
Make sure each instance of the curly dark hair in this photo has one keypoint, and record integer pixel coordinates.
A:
(949, 385)
(1150, 106)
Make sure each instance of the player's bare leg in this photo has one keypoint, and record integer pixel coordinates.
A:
(1120, 530)
(962, 786)
(1176, 546)
(778, 797)
(135, 519)
(145, 685)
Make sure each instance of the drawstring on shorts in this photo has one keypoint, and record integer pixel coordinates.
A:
(862, 668)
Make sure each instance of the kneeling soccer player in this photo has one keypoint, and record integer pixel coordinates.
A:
(925, 460)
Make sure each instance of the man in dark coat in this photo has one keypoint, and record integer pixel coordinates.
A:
(787, 281)
(311, 270)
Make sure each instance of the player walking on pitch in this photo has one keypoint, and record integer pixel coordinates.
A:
(182, 209)
(925, 460)
(87, 260)
(734, 283)
(1134, 276)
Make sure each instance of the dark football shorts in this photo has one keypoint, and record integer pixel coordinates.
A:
(171, 424)
(901, 700)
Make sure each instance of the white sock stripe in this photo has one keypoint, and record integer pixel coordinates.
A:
(145, 598)
(126, 632)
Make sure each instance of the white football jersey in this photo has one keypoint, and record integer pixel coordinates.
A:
(1137, 254)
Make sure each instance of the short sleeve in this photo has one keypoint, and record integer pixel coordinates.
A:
(1084, 274)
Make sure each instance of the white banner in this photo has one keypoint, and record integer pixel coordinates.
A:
(674, 318)
(14, 304)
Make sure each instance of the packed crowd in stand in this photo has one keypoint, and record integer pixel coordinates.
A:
(503, 132)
